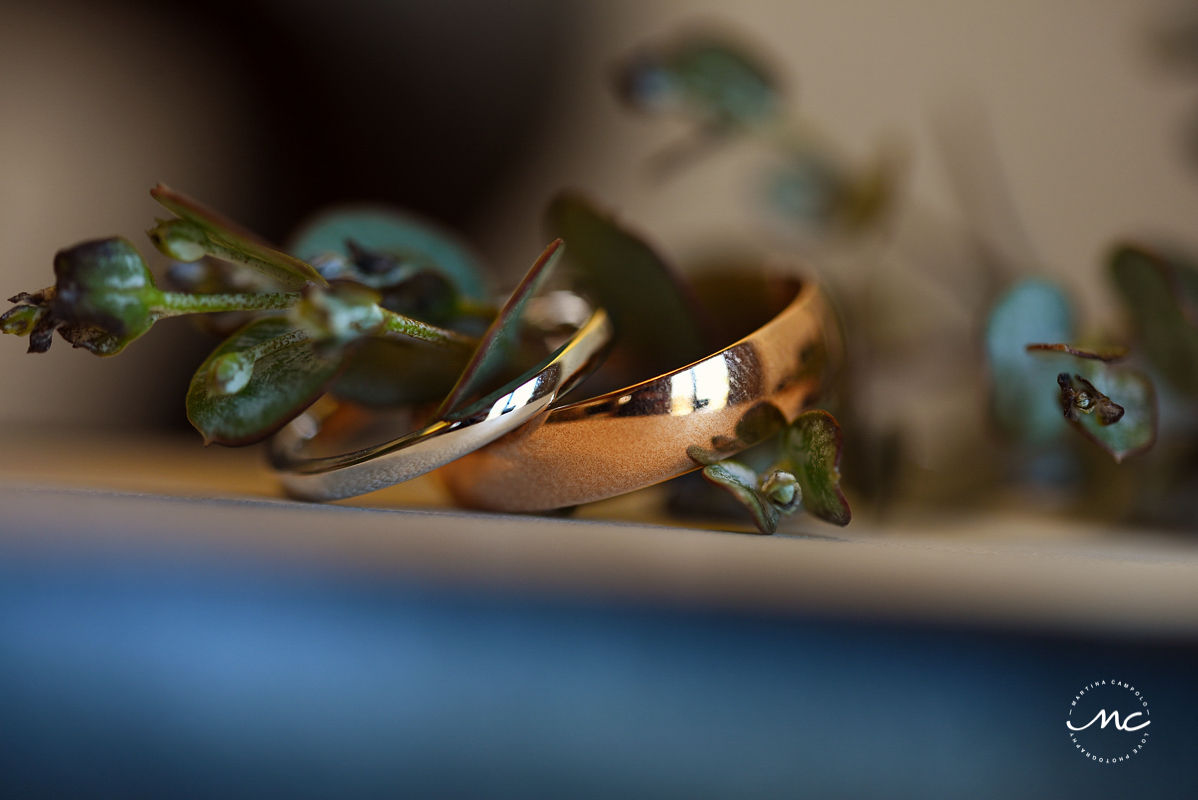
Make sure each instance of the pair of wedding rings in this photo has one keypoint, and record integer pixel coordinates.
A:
(529, 451)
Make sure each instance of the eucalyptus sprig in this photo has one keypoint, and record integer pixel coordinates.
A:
(1043, 384)
(104, 298)
(199, 231)
(727, 90)
(383, 310)
(265, 373)
(1160, 293)
(806, 475)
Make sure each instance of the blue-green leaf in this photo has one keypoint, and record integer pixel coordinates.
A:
(1135, 432)
(807, 475)
(413, 246)
(707, 76)
(741, 482)
(816, 191)
(1032, 311)
(1111, 405)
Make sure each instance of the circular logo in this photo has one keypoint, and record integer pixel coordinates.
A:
(1109, 722)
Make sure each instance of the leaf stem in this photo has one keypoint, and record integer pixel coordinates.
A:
(399, 326)
(173, 304)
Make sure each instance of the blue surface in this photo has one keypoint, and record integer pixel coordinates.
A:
(123, 674)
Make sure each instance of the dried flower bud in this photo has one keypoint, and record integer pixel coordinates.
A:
(1087, 400)
(105, 295)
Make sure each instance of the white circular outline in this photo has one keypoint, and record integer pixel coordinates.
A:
(1090, 756)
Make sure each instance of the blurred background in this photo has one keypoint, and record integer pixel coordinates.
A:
(473, 114)
(205, 640)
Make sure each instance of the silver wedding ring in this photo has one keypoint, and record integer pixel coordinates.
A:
(379, 466)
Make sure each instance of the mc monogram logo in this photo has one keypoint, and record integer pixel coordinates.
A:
(1108, 721)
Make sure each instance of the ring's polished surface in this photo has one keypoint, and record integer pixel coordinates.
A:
(640, 435)
(368, 469)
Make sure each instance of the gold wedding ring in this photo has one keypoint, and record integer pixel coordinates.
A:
(660, 428)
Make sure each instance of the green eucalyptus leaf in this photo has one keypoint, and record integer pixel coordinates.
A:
(811, 447)
(499, 342)
(707, 76)
(741, 482)
(286, 375)
(1031, 311)
(1162, 295)
(411, 246)
(201, 230)
(655, 316)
